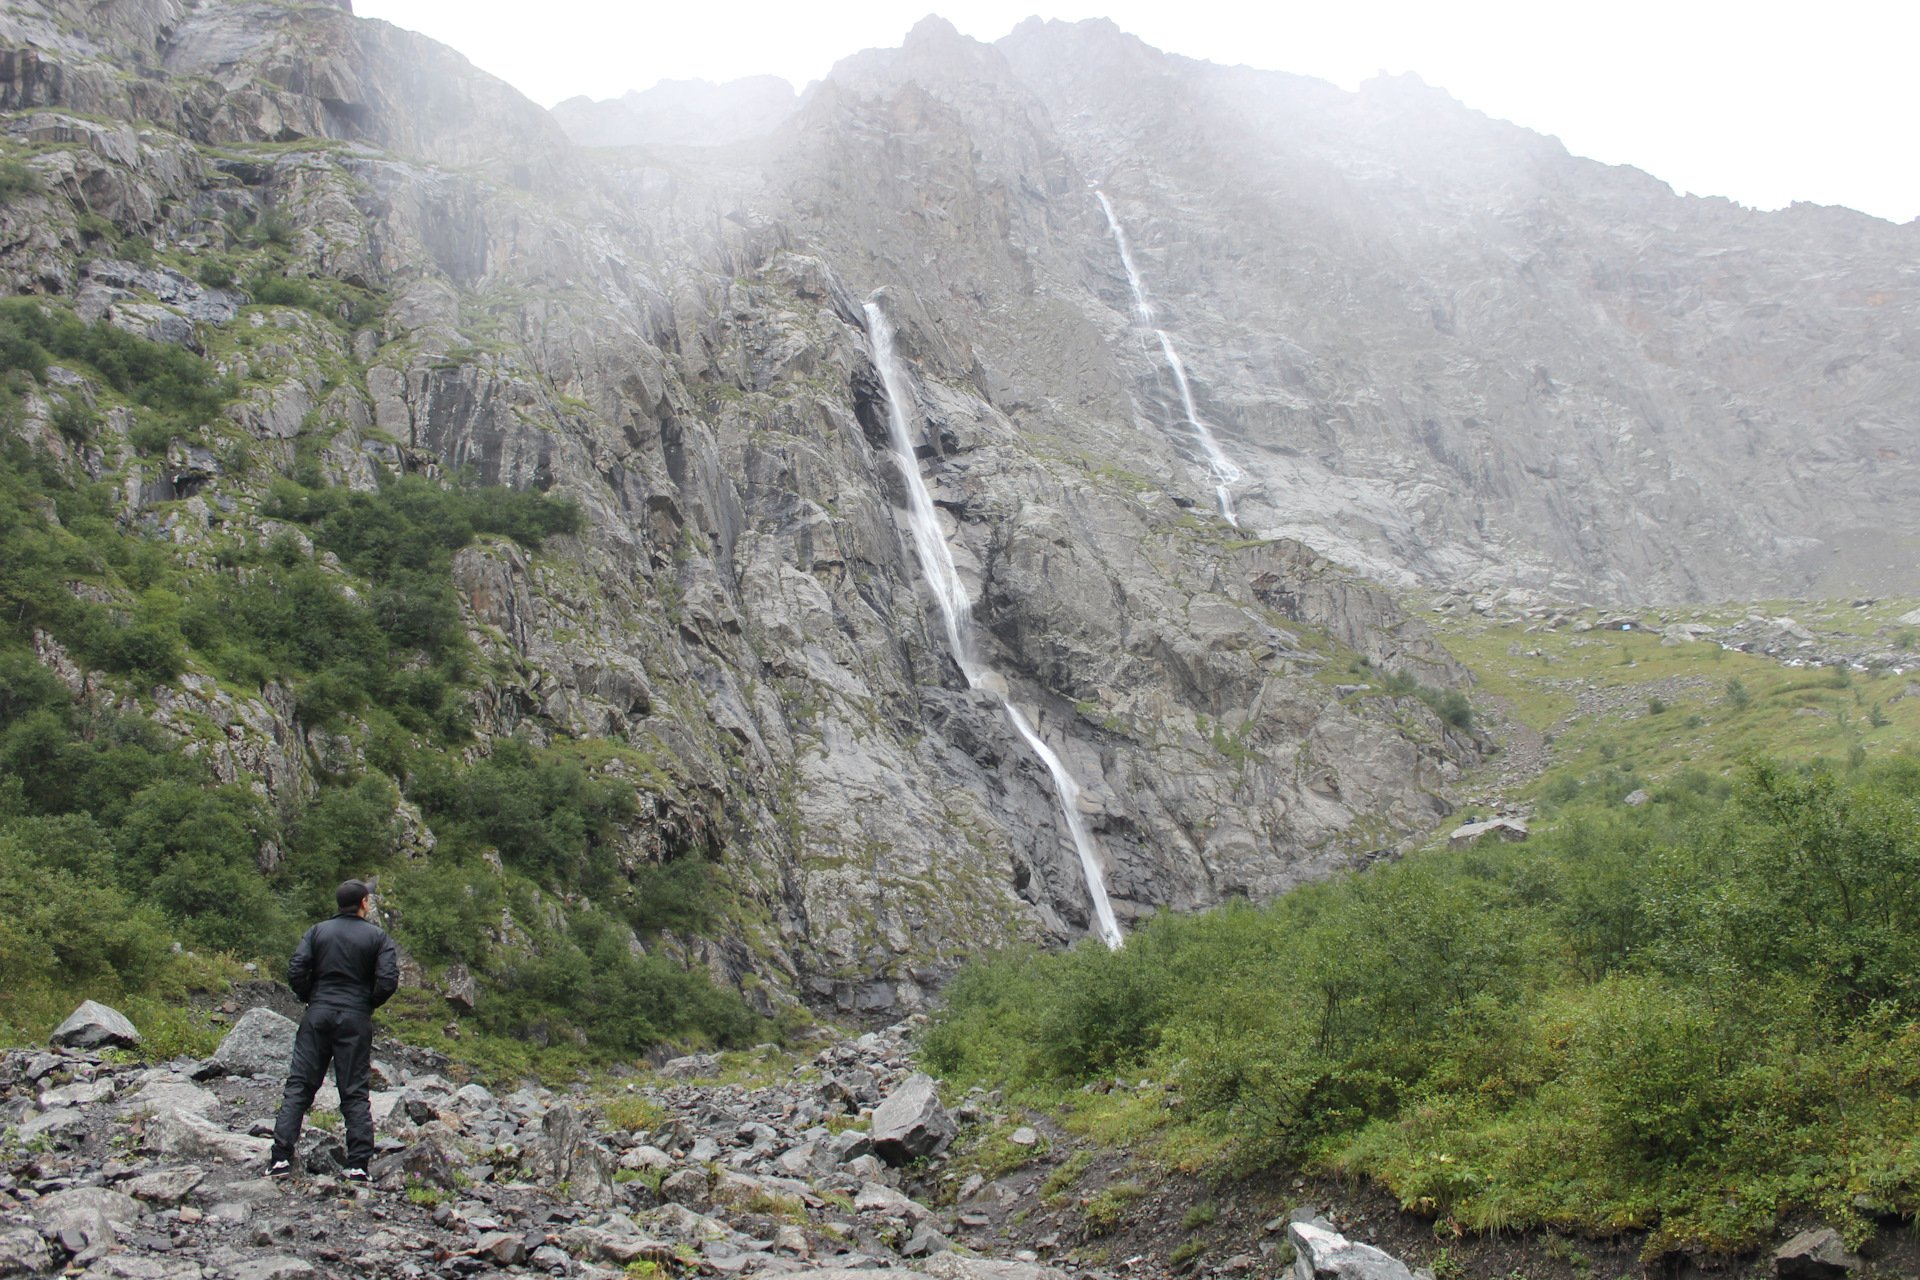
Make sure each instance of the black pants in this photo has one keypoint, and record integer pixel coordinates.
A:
(343, 1037)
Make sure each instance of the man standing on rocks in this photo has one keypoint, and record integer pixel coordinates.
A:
(344, 969)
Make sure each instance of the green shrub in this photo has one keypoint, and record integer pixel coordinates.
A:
(1692, 1017)
(284, 291)
(17, 181)
(162, 377)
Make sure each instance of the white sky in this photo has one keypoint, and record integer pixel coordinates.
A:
(1763, 102)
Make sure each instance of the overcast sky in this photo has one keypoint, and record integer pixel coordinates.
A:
(1764, 103)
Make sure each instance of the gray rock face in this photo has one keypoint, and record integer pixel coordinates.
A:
(95, 1026)
(260, 1044)
(912, 1123)
(1324, 1254)
(1818, 1254)
(86, 1216)
(742, 599)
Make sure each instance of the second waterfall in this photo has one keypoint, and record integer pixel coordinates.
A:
(1225, 473)
(956, 610)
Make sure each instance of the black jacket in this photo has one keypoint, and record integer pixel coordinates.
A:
(345, 963)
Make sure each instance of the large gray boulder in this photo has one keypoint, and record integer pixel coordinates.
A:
(85, 1216)
(95, 1026)
(912, 1123)
(1814, 1255)
(260, 1044)
(1321, 1253)
(187, 1136)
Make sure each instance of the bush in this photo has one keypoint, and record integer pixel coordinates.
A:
(544, 813)
(17, 181)
(1659, 1018)
(283, 291)
(157, 375)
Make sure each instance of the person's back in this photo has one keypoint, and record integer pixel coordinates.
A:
(338, 964)
(344, 968)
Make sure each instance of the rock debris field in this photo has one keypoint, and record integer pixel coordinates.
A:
(125, 1170)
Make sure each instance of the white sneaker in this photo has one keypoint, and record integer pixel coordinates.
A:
(280, 1169)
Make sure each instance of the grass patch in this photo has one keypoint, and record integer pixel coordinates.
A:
(1054, 1188)
(1104, 1211)
(633, 1112)
(989, 1151)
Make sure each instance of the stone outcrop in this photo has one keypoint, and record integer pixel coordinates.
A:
(732, 1180)
(912, 1124)
(95, 1026)
(1321, 1253)
(260, 1044)
(1818, 1254)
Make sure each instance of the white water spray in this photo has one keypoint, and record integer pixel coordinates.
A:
(1225, 473)
(956, 610)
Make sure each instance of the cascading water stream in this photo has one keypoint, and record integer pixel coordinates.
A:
(956, 610)
(1225, 473)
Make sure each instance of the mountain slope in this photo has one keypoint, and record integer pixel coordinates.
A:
(395, 267)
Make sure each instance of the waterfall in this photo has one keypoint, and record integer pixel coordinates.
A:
(956, 611)
(1225, 473)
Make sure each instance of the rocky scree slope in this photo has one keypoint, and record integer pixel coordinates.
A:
(123, 1170)
(740, 620)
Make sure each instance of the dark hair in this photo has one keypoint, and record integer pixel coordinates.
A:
(349, 894)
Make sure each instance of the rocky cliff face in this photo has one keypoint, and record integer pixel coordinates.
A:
(1443, 349)
(673, 336)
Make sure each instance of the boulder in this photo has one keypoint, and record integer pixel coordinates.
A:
(461, 990)
(689, 1186)
(879, 1199)
(912, 1123)
(166, 1186)
(162, 1094)
(63, 1127)
(501, 1248)
(134, 1266)
(426, 1161)
(95, 1026)
(575, 1159)
(1511, 830)
(85, 1216)
(280, 1268)
(23, 1250)
(260, 1044)
(185, 1135)
(952, 1266)
(1814, 1255)
(1321, 1253)
(646, 1159)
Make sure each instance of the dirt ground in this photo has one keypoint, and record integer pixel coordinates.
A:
(1192, 1228)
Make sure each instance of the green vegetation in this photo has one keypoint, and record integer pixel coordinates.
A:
(1592, 693)
(1106, 1208)
(1696, 1017)
(170, 381)
(17, 180)
(633, 1112)
(116, 845)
